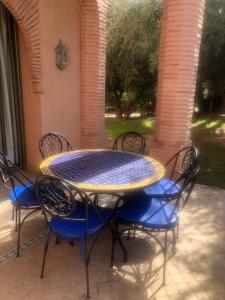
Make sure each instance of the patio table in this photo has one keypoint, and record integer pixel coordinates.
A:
(104, 171)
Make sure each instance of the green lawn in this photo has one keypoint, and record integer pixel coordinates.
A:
(208, 134)
(115, 127)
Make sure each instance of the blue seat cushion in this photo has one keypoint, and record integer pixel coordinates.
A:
(73, 229)
(24, 196)
(149, 212)
(163, 187)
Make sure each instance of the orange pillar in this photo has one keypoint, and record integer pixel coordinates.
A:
(180, 40)
(93, 59)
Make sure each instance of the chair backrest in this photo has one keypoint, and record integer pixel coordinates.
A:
(179, 200)
(130, 141)
(185, 169)
(60, 199)
(187, 181)
(53, 143)
(11, 176)
(184, 160)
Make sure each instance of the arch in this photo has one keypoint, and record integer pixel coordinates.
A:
(26, 13)
(93, 59)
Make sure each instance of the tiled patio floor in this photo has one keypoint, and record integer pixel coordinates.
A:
(197, 271)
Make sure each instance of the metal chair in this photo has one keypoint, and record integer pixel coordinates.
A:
(73, 217)
(130, 141)
(179, 164)
(22, 196)
(53, 143)
(184, 160)
(153, 215)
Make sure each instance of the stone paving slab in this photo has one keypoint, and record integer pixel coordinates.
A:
(197, 271)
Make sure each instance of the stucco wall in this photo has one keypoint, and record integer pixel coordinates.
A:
(61, 100)
(58, 107)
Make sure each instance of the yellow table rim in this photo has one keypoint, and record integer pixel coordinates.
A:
(160, 172)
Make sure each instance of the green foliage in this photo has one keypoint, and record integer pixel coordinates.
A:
(132, 55)
(211, 77)
(208, 134)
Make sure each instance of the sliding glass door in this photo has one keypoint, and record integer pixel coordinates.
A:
(12, 140)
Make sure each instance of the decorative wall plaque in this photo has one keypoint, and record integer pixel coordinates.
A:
(61, 55)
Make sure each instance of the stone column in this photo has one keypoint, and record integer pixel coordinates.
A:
(93, 59)
(180, 40)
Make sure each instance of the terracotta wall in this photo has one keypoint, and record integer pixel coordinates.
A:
(32, 110)
(57, 107)
(61, 99)
(70, 101)
(93, 65)
(81, 25)
(26, 13)
(178, 63)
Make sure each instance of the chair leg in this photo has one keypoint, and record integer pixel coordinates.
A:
(128, 233)
(87, 260)
(165, 257)
(174, 241)
(96, 198)
(177, 234)
(113, 248)
(120, 242)
(13, 213)
(134, 234)
(16, 223)
(123, 249)
(87, 278)
(45, 252)
(19, 225)
(57, 240)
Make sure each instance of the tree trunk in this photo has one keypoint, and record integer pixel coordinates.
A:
(119, 114)
(222, 107)
(127, 116)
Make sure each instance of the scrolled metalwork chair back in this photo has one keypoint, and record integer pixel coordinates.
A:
(62, 200)
(11, 176)
(186, 181)
(130, 142)
(4, 176)
(59, 198)
(183, 161)
(53, 143)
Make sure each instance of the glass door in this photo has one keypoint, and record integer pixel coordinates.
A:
(12, 140)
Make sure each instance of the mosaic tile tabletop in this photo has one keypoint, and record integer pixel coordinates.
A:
(104, 170)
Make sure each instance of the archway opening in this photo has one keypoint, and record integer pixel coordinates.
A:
(133, 35)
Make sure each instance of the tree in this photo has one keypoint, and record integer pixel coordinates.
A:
(133, 31)
(211, 76)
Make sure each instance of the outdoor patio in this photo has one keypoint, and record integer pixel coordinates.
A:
(197, 271)
(59, 92)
